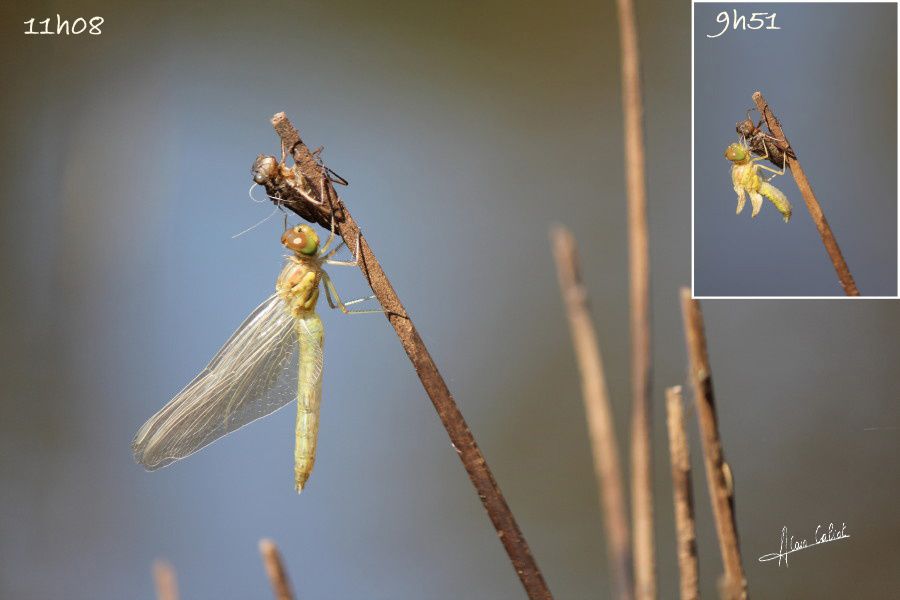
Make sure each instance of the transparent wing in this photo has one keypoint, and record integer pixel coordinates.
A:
(253, 375)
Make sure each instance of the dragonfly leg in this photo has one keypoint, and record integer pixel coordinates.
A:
(344, 263)
(330, 292)
(328, 297)
(325, 194)
(766, 157)
(770, 169)
(325, 190)
(784, 153)
(335, 250)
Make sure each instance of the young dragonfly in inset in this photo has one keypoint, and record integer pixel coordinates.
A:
(746, 180)
(254, 373)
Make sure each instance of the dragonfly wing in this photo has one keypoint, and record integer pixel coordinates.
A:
(251, 376)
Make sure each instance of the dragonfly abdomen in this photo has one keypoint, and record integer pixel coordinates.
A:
(777, 198)
(311, 337)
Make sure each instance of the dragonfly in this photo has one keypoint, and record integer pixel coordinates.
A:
(747, 181)
(275, 356)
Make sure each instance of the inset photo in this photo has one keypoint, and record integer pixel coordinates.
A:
(795, 150)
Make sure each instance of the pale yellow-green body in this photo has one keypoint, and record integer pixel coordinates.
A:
(298, 286)
(746, 180)
(251, 374)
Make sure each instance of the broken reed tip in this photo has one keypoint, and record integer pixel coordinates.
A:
(165, 579)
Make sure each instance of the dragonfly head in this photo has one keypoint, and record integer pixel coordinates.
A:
(737, 153)
(302, 239)
(264, 169)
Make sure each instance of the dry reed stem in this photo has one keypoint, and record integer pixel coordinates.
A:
(460, 436)
(639, 279)
(281, 584)
(718, 474)
(815, 211)
(683, 496)
(597, 408)
(165, 579)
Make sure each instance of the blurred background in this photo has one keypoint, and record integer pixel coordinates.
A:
(465, 130)
(830, 75)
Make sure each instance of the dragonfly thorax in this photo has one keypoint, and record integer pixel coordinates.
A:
(298, 285)
(746, 176)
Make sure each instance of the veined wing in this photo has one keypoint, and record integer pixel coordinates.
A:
(252, 376)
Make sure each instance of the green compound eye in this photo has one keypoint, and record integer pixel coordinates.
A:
(302, 239)
(736, 153)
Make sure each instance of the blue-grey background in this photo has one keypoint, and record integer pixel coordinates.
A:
(830, 75)
(465, 131)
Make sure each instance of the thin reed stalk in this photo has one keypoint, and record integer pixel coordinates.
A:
(597, 408)
(461, 438)
(719, 478)
(165, 580)
(278, 578)
(639, 291)
(683, 496)
(812, 205)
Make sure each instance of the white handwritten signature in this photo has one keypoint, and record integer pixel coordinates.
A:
(789, 544)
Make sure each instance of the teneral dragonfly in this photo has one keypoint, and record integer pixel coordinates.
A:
(254, 373)
(746, 179)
